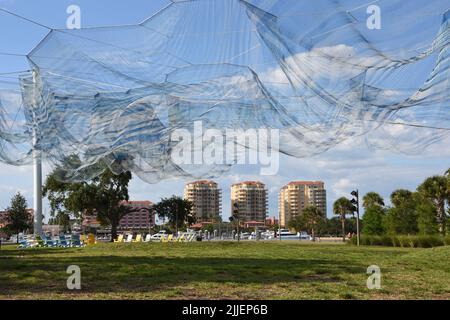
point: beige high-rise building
(296, 196)
(251, 197)
(207, 199)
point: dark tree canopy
(372, 199)
(312, 217)
(401, 197)
(427, 222)
(373, 220)
(343, 207)
(177, 210)
(103, 196)
(437, 190)
(401, 218)
(18, 219)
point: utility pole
(176, 218)
(37, 164)
(355, 201)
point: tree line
(17, 218)
(105, 197)
(424, 211)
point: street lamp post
(355, 201)
(176, 219)
(37, 167)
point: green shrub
(430, 241)
(387, 241)
(404, 241)
(414, 240)
(375, 241)
(396, 241)
(408, 241)
(438, 241)
(365, 240)
(353, 241)
(447, 240)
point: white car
(245, 235)
(305, 236)
(159, 235)
(268, 235)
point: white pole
(37, 170)
(37, 173)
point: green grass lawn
(270, 270)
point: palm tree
(401, 196)
(372, 199)
(436, 189)
(342, 207)
(312, 216)
(447, 174)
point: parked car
(245, 235)
(159, 235)
(268, 235)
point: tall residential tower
(251, 197)
(297, 195)
(206, 198)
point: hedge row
(403, 241)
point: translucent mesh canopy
(311, 69)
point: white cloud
(342, 186)
(316, 63)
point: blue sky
(350, 165)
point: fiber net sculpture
(314, 70)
